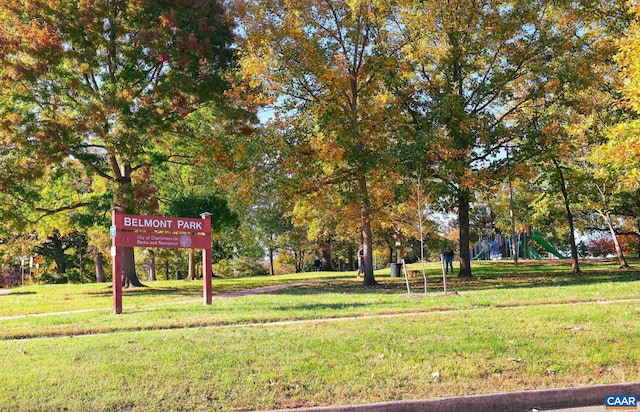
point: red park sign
(159, 232)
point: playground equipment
(547, 246)
(479, 255)
(500, 248)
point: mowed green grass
(330, 341)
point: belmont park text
(159, 223)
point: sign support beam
(207, 291)
(116, 267)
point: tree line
(310, 127)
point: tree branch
(48, 212)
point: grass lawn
(330, 341)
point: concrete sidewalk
(579, 399)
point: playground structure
(500, 247)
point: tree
(95, 220)
(601, 197)
(271, 226)
(56, 208)
(193, 206)
(559, 176)
(622, 151)
(617, 159)
(323, 69)
(512, 202)
(107, 83)
(579, 119)
(480, 68)
(56, 246)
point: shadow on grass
(542, 280)
(190, 290)
(487, 275)
(13, 293)
(496, 275)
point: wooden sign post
(159, 232)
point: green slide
(533, 254)
(479, 255)
(547, 246)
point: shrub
(53, 278)
(10, 277)
(601, 247)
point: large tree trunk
(272, 270)
(53, 247)
(58, 251)
(575, 266)
(124, 198)
(299, 256)
(129, 276)
(351, 264)
(367, 238)
(61, 266)
(327, 266)
(463, 224)
(367, 241)
(97, 258)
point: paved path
(578, 399)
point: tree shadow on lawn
(487, 275)
(14, 293)
(500, 279)
(188, 291)
(541, 280)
